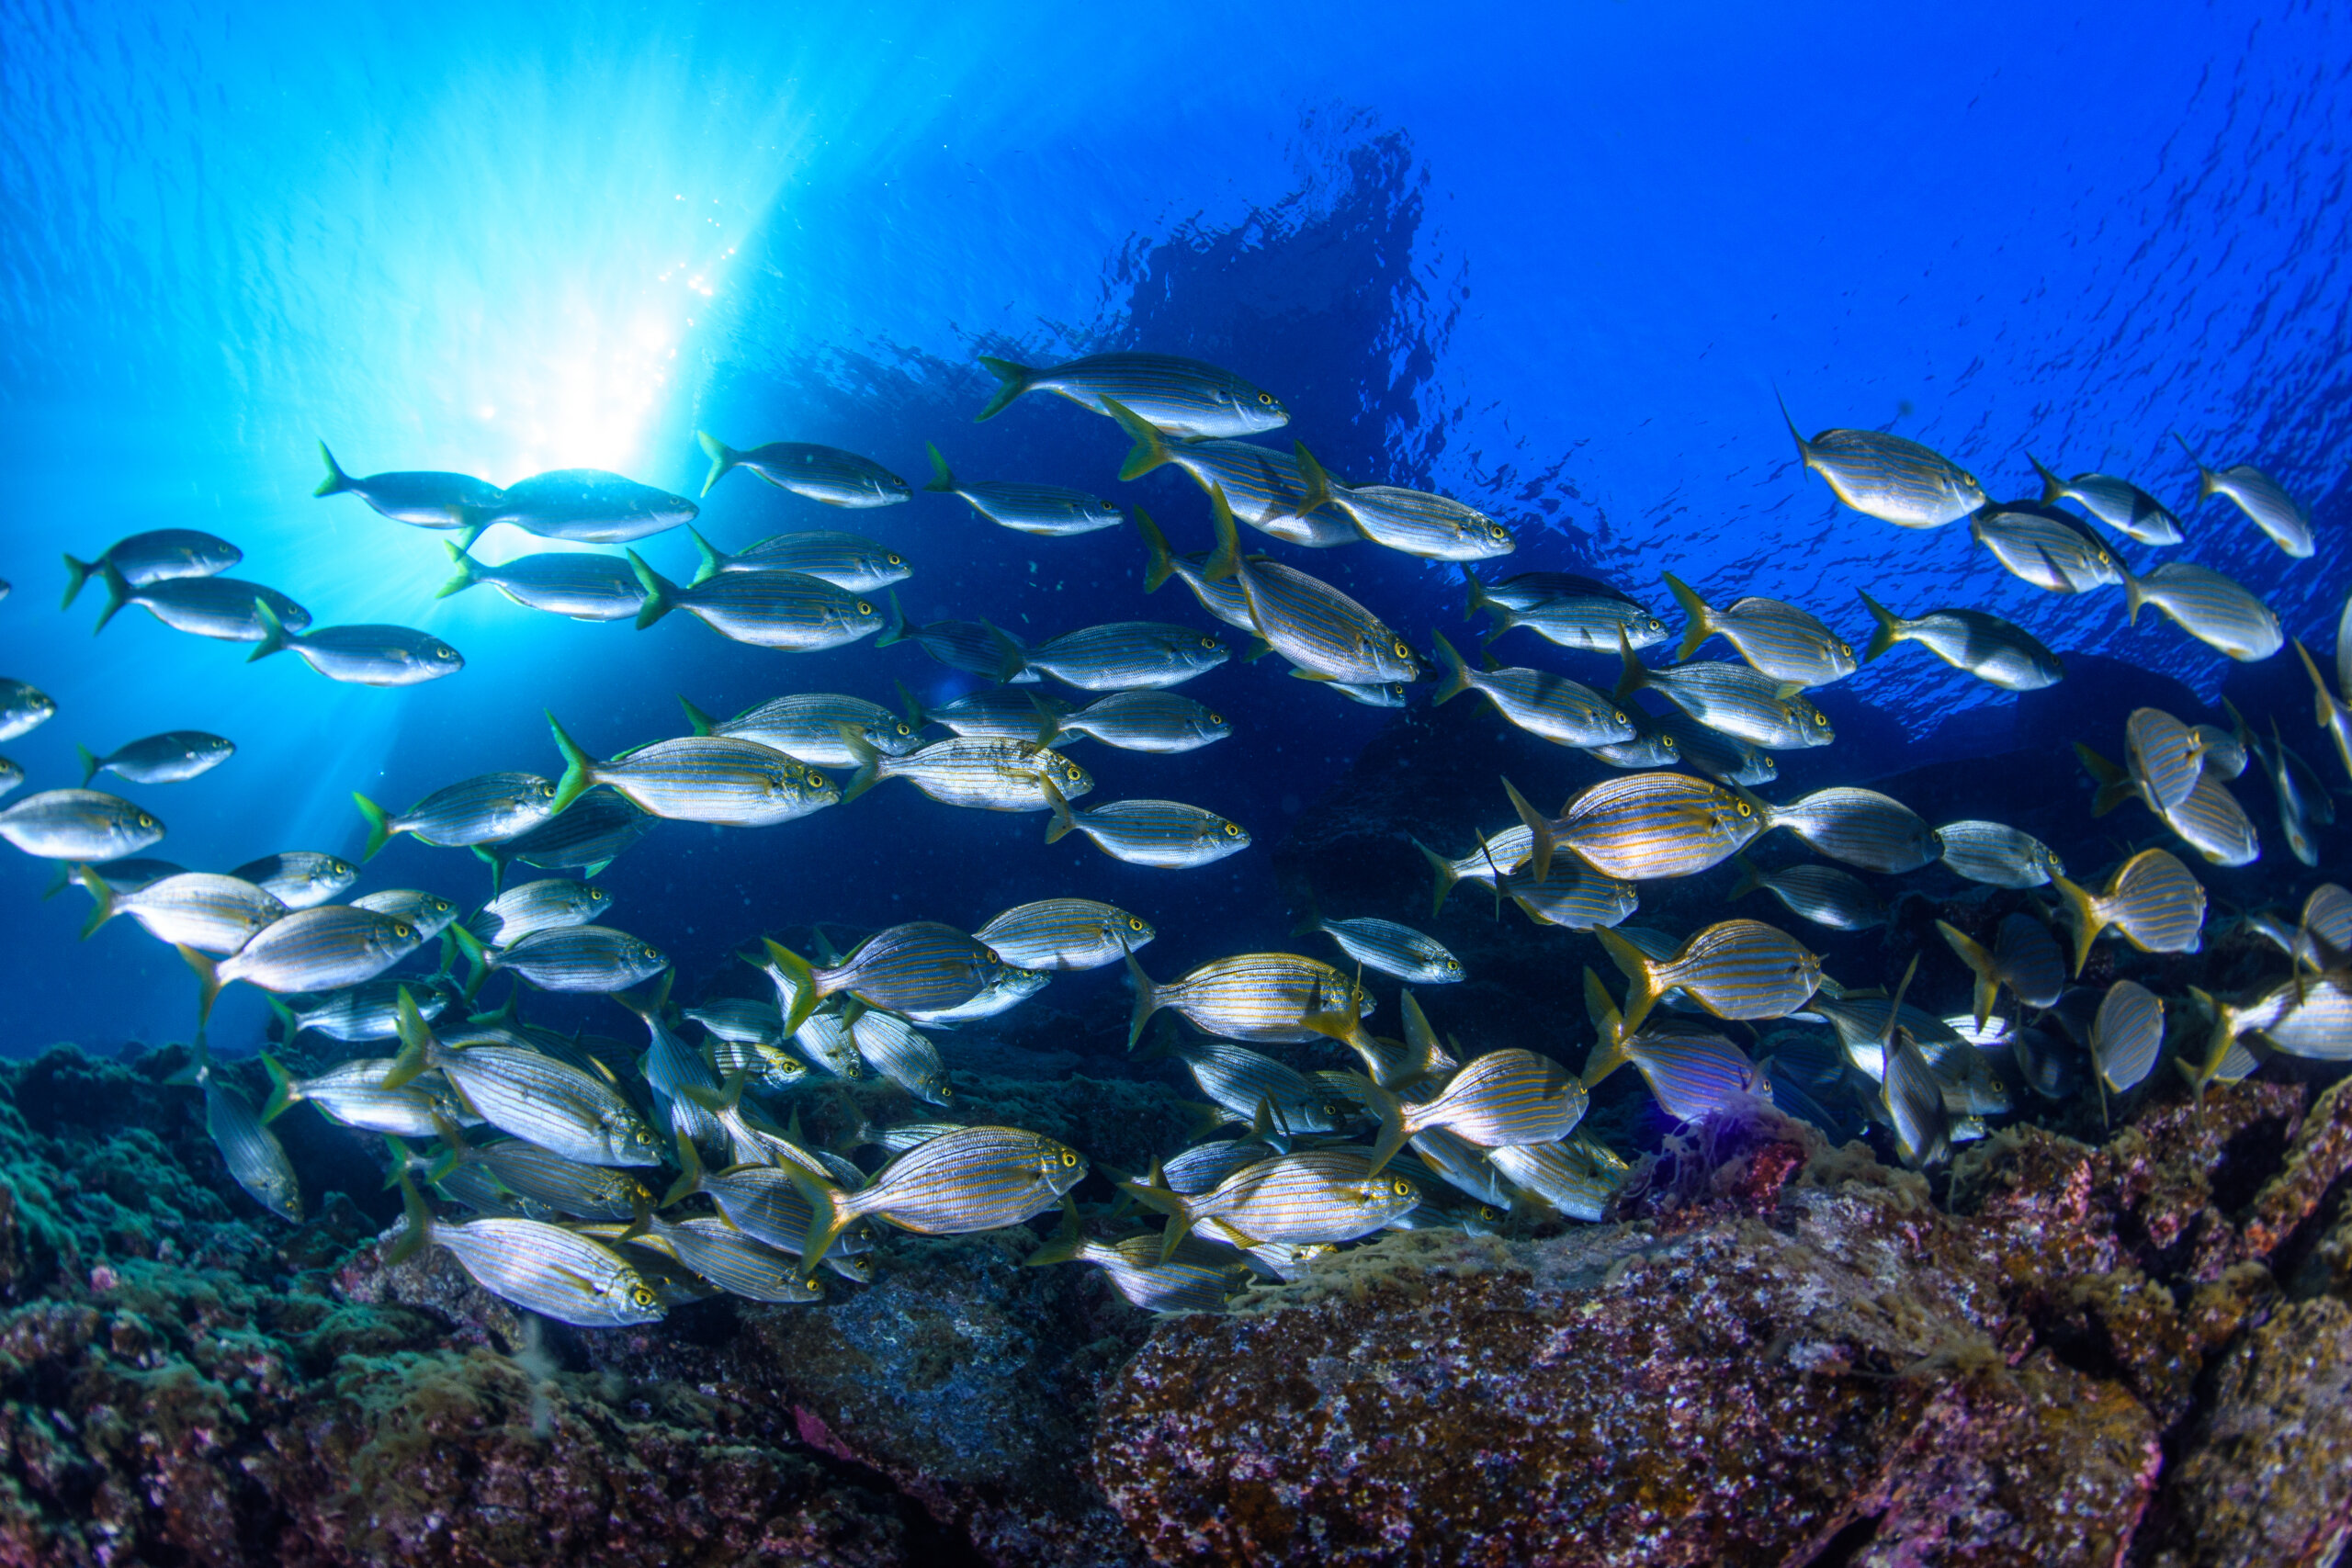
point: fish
(1051, 511)
(2333, 716)
(590, 506)
(1258, 997)
(2209, 607)
(1987, 646)
(1561, 1176)
(973, 645)
(1161, 723)
(1007, 991)
(1126, 655)
(1391, 949)
(824, 1039)
(1694, 1072)
(715, 1250)
(2263, 500)
(300, 879)
(483, 809)
(1780, 641)
(975, 1178)
(360, 655)
(2121, 504)
(153, 557)
(1200, 1167)
(1183, 397)
(369, 1010)
(78, 825)
(685, 1085)
(806, 726)
(848, 561)
(1494, 856)
(1552, 707)
(1394, 1064)
(762, 1201)
(1860, 1023)
(2151, 899)
(1653, 746)
(256, 1160)
(12, 777)
(1317, 628)
(1252, 1088)
(24, 708)
(2024, 960)
(1413, 522)
(538, 1267)
(543, 1176)
(740, 1019)
(352, 1094)
(786, 610)
(548, 903)
(1724, 758)
(2215, 825)
(582, 586)
(2294, 795)
(1734, 698)
(212, 914)
(2053, 550)
(1066, 934)
(2167, 756)
(172, 757)
(1271, 491)
(1914, 1101)
(1733, 969)
(904, 1055)
(921, 966)
(981, 776)
(1197, 1278)
(993, 713)
(1492, 1102)
(1821, 894)
(1570, 611)
(1644, 827)
(587, 835)
(1860, 828)
(1890, 477)
(1222, 598)
(1167, 834)
(700, 778)
(424, 499)
(2308, 1019)
(225, 608)
(126, 874)
(1575, 896)
(1999, 855)
(531, 1096)
(317, 949)
(2226, 751)
(429, 913)
(595, 959)
(1312, 1195)
(2126, 1034)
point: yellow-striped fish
(1737, 969)
(1167, 834)
(1693, 1072)
(2213, 609)
(2263, 500)
(1257, 997)
(1778, 641)
(974, 1178)
(1997, 854)
(1552, 707)
(1642, 827)
(984, 775)
(1859, 827)
(1312, 1195)
(1270, 491)
(1734, 698)
(1305, 619)
(2151, 899)
(1434, 528)
(1889, 477)
(2126, 1034)
(920, 966)
(1065, 934)
(2053, 550)
(1502, 1097)
(539, 1266)
(2121, 504)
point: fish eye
(401, 930)
(1453, 963)
(892, 557)
(1666, 741)
(1845, 650)
(1400, 1187)
(1402, 651)
(1618, 717)
(642, 1136)
(641, 1296)
(816, 781)
(1267, 399)
(1075, 772)
(1134, 924)
(145, 820)
(1744, 810)
(1657, 624)
(1208, 642)
(1231, 832)
(1215, 717)
(1496, 531)
(863, 608)
(1069, 1159)
(904, 731)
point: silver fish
(211, 914)
(1999, 855)
(422, 499)
(546, 905)
(975, 1178)
(369, 1010)
(582, 586)
(1306, 619)
(595, 959)
(996, 712)
(700, 778)
(1734, 698)
(1860, 828)
(429, 913)
(318, 949)
(589, 506)
(808, 726)
(1888, 477)
(826, 474)
(1552, 707)
(541, 1268)
(221, 607)
(973, 646)
(359, 655)
(904, 1055)
(1065, 934)
(479, 810)
(2286, 520)
(2126, 1034)
(1986, 646)
(250, 1151)
(532, 1096)
(984, 775)
(78, 824)
(1127, 655)
(1778, 641)
(2208, 606)
(1162, 723)
(1183, 397)
(2121, 504)
(1167, 834)
(1391, 949)
(850, 561)
(1414, 521)
(1049, 510)
(352, 1095)
(171, 757)
(1574, 612)
(300, 879)
(1821, 894)
(2053, 550)
(789, 610)
(1312, 1195)
(151, 557)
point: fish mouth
(1061, 1179)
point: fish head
(645, 955)
(1254, 409)
(629, 1291)
(893, 738)
(1210, 725)
(438, 655)
(1811, 722)
(672, 511)
(1061, 1166)
(594, 897)
(1069, 777)
(861, 615)
(627, 1133)
(1389, 1194)
(1641, 629)
(1488, 537)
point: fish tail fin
(803, 981)
(1012, 657)
(273, 632)
(2326, 703)
(1012, 381)
(1889, 632)
(910, 705)
(476, 958)
(2204, 474)
(660, 593)
(896, 630)
(690, 1174)
(1062, 1247)
(1442, 869)
(282, 1088)
(869, 768)
(102, 896)
(1319, 487)
(1226, 560)
(1155, 1195)
(1750, 879)
(336, 481)
(1804, 447)
(1980, 963)
(118, 593)
(710, 559)
(2114, 784)
(207, 982)
(1474, 592)
(2083, 915)
(1695, 611)
(2133, 594)
(1162, 562)
(722, 457)
(463, 575)
(89, 764)
(1064, 822)
(488, 854)
(1609, 1029)
(1539, 826)
(380, 826)
(289, 1026)
(1641, 977)
(1151, 448)
(942, 478)
(417, 1044)
(1636, 674)
(830, 1212)
(78, 573)
(1457, 673)
(699, 721)
(417, 1234)
(454, 1150)
(2053, 487)
(1394, 1129)
(1147, 1002)
(579, 769)
(58, 880)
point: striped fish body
(367, 654)
(2053, 550)
(1561, 1176)
(2263, 500)
(1987, 646)
(479, 810)
(988, 776)
(2126, 1034)
(1575, 896)
(2121, 504)
(1165, 834)
(851, 562)
(1007, 991)
(369, 1010)
(2029, 961)
(972, 646)
(825, 1041)
(741, 1019)
(585, 587)
(2152, 899)
(1734, 698)
(211, 914)
(2312, 1020)
(670, 1068)
(1860, 1023)
(429, 913)
(2165, 757)
(2225, 754)
(1052, 511)
(1242, 1082)
(920, 965)
(588, 832)
(903, 1054)
(550, 1270)
(550, 903)
(806, 726)
(1651, 826)
(593, 959)
(1419, 523)
(78, 825)
(824, 474)
(1735, 969)
(544, 1101)
(1504, 1098)
(2209, 607)
(300, 879)
(716, 779)
(421, 498)
(1693, 1072)
(1560, 607)
(2327, 924)
(172, 757)
(738, 1263)
(1204, 1166)
(1320, 629)
(1494, 857)
(250, 1151)
(975, 1178)
(1313, 1195)
(1224, 599)
(565, 1186)
(1821, 894)
(762, 1201)
(2215, 825)
(1161, 723)
(1890, 479)
(1552, 707)
(158, 554)
(1394, 950)
(1128, 655)
(1999, 855)
(320, 949)
(1726, 758)
(1778, 641)
(1181, 1285)
(1914, 1101)
(1065, 934)
(1461, 1164)
(1264, 488)
(1001, 713)
(762, 1063)
(2294, 797)
(1183, 397)
(589, 506)
(787, 610)
(352, 1094)
(217, 607)
(1259, 998)
(1860, 828)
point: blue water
(1555, 265)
